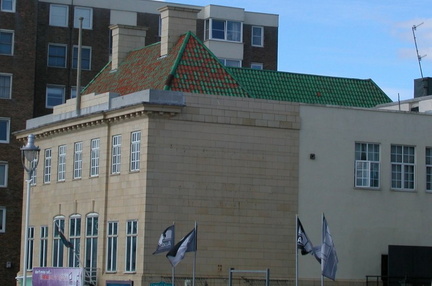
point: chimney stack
(125, 39)
(176, 21)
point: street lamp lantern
(30, 155)
(29, 160)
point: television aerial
(419, 58)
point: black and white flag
(166, 240)
(186, 244)
(303, 242)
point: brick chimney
(125, 39)
(176, 21)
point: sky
(364, 39)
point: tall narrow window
(34, 172)
(78, 148)
(367, 165)
(59, 15)
(257, 36)
(4, 129)
(116, 154)
(43, 249)
(131, 245)
(429, 169)
(85, 58)
(6, 42)
(111, 262)
(61, 166)
(75, 239)
(8, 5)
(30, 246)
(58, 247)
(47, 166)
(135, 151)
(2, 219)
(94, 157)
(3, 174)
(403, 167)
(91, 245)
(5, 86)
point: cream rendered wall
(363, 222)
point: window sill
(404, 190)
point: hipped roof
(192, 67)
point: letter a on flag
(303, 242)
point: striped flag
(186, 244)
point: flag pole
(173, 268)
(296, 249)
(322, 254)
(194, 262)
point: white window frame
(131, 246)
(257, 66)
(7, 122)
(401, 167)
(7, 91)
(4, 174)
(367, 165)
(75, 240)
(47, 165)
(43, 249)
(33, 176)
(94, 157)
(78, 162)
(91, 243)
(9, 10)
(88, 19)
(112, 246)
(2, 219)
(261, 37)
(61, 164)
(61, 19)
(231, 62)
(116, 154)
(60, 88)
(49, 55)
(12, 44)
(227, 35)
(58, 247)
(30, 247)
(75, 57)
(135, 151)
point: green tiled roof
(306, 88)
(191, 67)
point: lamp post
(29, 160)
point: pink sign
(57, 276)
